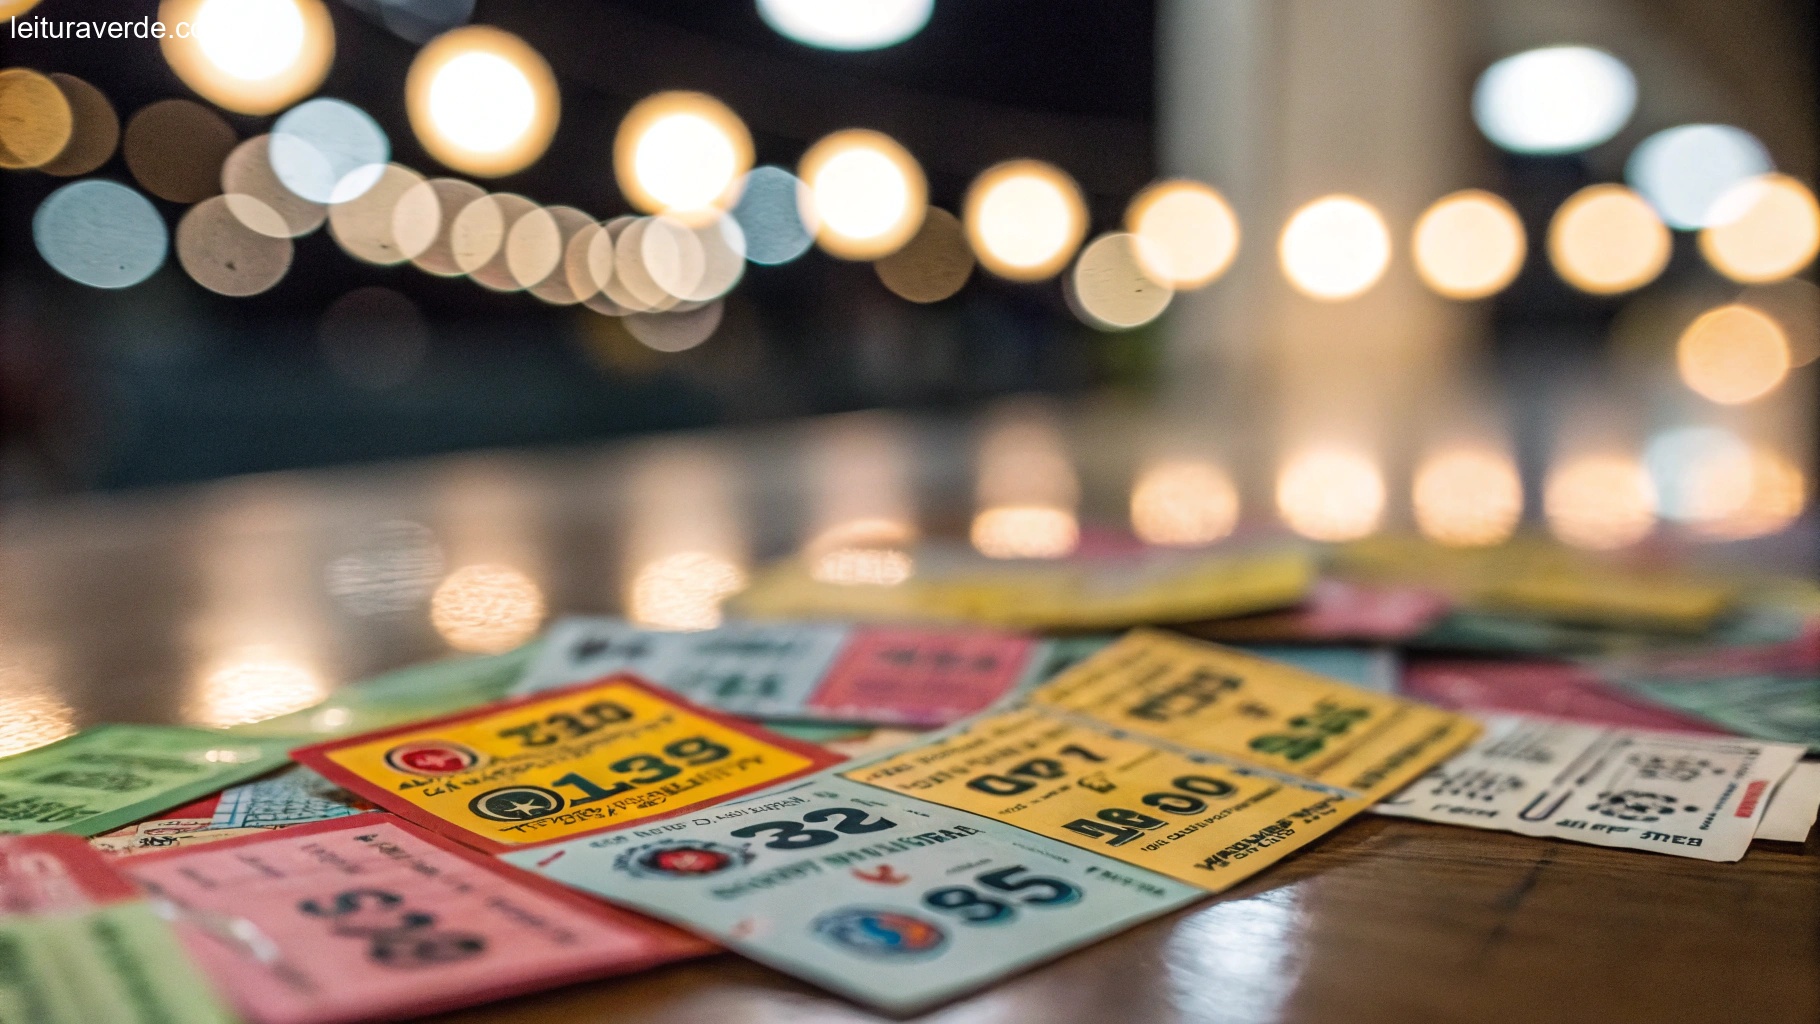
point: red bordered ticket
(369, 917)
(561, 763)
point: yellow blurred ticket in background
(1195, 819)
(1210, 699)
(560, 764)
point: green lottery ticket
(111, 775)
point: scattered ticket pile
(901, 792)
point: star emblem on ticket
(561, 763)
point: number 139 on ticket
(561, 764)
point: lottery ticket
(110, 775)
(295, 796)
(79, 945)
(1552, 689)
(890, 900)
(561, 763)
(1772, 705)
(369, 917)
(406, 695)
(915, 676)
(1794, 806)
(1693, 796)
(1079, 593)
(1338, 611)
(1257, 713)
(1204, 821)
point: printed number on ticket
(561, 764)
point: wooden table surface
(196, 604)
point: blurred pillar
(1276, 103)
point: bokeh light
(366, 226)
(773, 211)
(1605, 239)
(1111, 288)
(1775, 498)
(1467, 497)
(486, 609)
(222, 254)
(1334, 248)
(867, 193)
(1599, 501)
(1189, 231)
(1794, 303)
(682, 153)
(1183, 503)
(482, 101)
(1732, 355)
(1025, 218)
(252, 685)
(100, 233)
(1685, 171)
(1331, 494)
(249, 56)
(374, 338)
(1700, 474)
(632, 285)
(1558, 99)
(535, 246)
(1764, 229)
(478, 238)
(674, 331)
(447, 197)
(260, 200)
(871, 551)
(1025, 531)
(419, 21)
(94, 128)
(1469, 245)
(933, 265)
(176, 149)
(683, 591)
(328, 151)
(36, 121)
(846, 25)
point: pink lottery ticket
(920, 676)
(1549, 688)
(370, 917)
(53, 873)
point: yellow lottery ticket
(1195, 819)
(560, 764)
(1214, 700)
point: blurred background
(1336, 266)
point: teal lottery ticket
(889, 900)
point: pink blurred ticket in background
(54, 873)
(370, 917)
(1553, 689)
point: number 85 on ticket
(560, 764)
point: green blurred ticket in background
(112, 775)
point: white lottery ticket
(887, 899)
(1794, 806)
(1693, 796)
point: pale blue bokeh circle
(100, 233)
(328, 151)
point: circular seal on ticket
(884, 934)
(516, 803)
(431, 757)
(681, 858)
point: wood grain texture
(121, 608)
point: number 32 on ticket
(561, 764)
